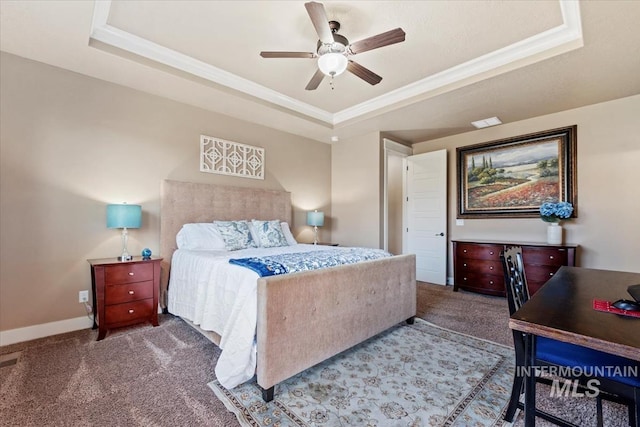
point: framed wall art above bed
(512, 177)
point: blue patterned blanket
(291, 263)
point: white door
(426, 215)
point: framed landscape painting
(512, 177)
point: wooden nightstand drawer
(117, 294)
(128, 273)
(121, 314)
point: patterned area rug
(411, 375)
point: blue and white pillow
(269, 233)
(236, 234)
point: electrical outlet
(83, 296)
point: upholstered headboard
(187, 202)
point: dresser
(477, 266)
(124, 292)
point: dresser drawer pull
(131, 273)
(550, 274)
(491, 282)
(464, 265)
(464, 250)
(491, 253)
(131, 292)
(491, 268)
(464, 278)
(131, 311)
(550, 256)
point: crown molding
(561, 39)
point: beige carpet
(145, 376)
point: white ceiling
(461, 61)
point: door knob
(440, 234)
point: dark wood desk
(563, 310)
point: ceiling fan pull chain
(331, 83)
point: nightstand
(124, 292)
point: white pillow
(200, 237)
(287, 234)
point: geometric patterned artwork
(231, 158)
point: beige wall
(71, 144)
(355, 191)
(607, 229)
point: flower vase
(554, 233)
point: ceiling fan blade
(287, 54)
(315, 80)
(320, 22)
(374, 42)
(364, 73)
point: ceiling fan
(333, 49)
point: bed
(302, 318)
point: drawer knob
(491, 282)
(131, 311)
(131, 292)
(464, 250)
(490, 252)
(464, 278)
(491, 268)
(550, 274)
(131, 273)
(464, 265)
(550, 256)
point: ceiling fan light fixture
(332, 63)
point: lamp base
(125, 258)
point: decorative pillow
(287, 234)
(236, 234)
(200, 237)
(269, 233)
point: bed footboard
(305, 318)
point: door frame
(392, 148)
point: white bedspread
(205, 289)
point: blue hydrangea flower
(554, 212)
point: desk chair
(551, 352)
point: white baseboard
(28, 333)
(449, 280)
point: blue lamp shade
(315, 218)
(124, 216)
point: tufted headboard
(187, 202)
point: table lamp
(124, 216)
(315, 219)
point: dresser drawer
(479, 266)
(540, 273)
(489, 284)
(128, 273)
(117, 294)
(544, 256)
(478, 251)
(120, 314)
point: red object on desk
(602, 305)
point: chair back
(515, 280)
